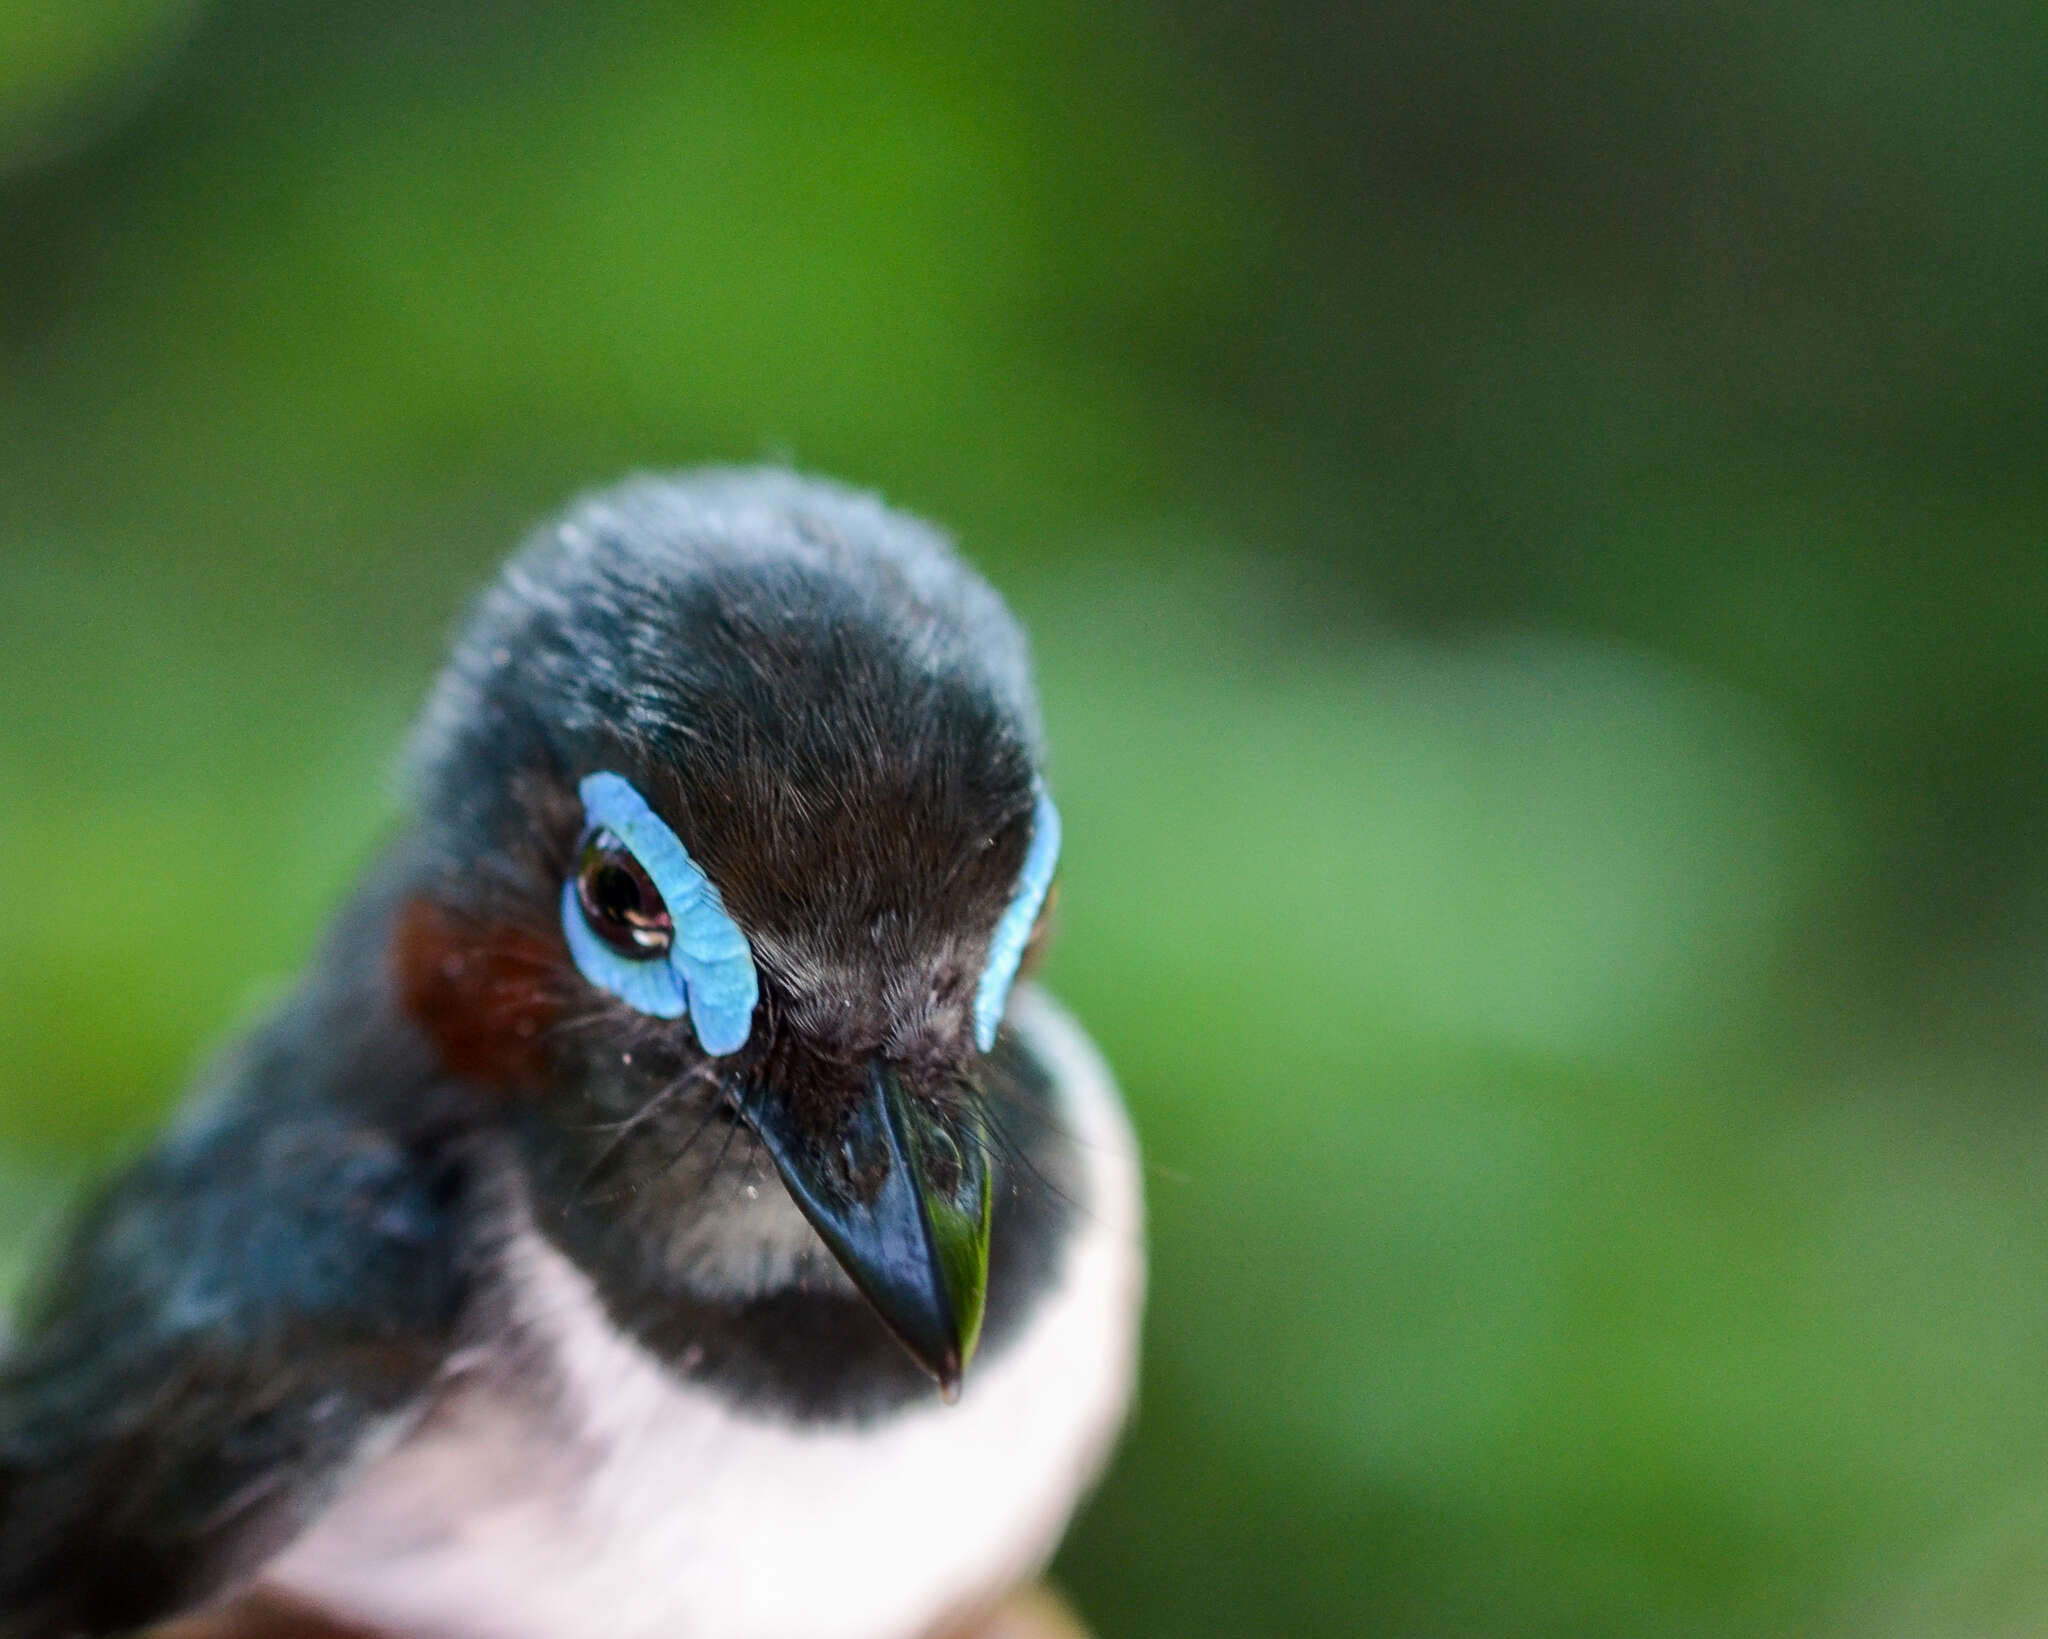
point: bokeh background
(1535, 519)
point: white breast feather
(670, 1516)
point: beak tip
(950, 1369)
(945, 1363)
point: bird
(668, 1203)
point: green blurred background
(1535, 520)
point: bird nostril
(943, 1161)
(867, 1168)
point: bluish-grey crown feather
(619, 562)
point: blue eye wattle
(645, 923)
(1013, 932)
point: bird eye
(643, 922)
(619, 900)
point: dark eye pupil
(622, 906)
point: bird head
(735, 839)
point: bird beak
(901, 1195)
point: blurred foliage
(1533, 516)
(64, 65)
